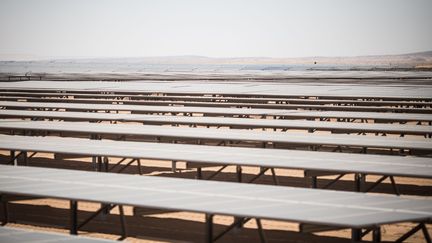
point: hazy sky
(217, 28)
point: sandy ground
(149, 225)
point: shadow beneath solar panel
(149, 227)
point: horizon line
(32, 57)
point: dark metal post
(12, 157)
(356, 235)
(122, 222)
(199, 173)
(376, 235)
(25, 158)
(239, 173)
(5, 209)
(99, 162)
(261, 231)
(139, 166)
(357, 182)
(209, 228)
(94, 163)
(314, 182)
(174, 166)
(73, 217)
(106, 164)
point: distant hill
(410, 59)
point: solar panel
(225, 111)
(8, 234)
(290, 159)
(227, 104)
(224, 121)
(258, 89)
(323, 207)
(221, 134)
(186, 97)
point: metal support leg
(261, 231)
(73, 217)
(25, 158)
(356, 235)
(5, 210)
(174, 166)
(314, 182)
(199, 173)
(123, 223)
(395, 188)
(239, 173)
(94, 158)
(99, 163)
(106, 164)
(426, 234)
(139, 166)
(106, 209)
(275, 179)
(357, 182)
(14, 159)
(209, 228)
(376, 235)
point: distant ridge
(404, 60)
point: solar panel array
(400, 112)
(288, 159)
(222, 135)
(413, 109)
(325, 207)
(222, 121)
(286, 114)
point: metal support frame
(74, 226)
(358, 234)
(217, 172)
(333, 181)
(14, 157)
(107, 169)
(420, 226)
(238, 222)
(380, 180)
(262, 171)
